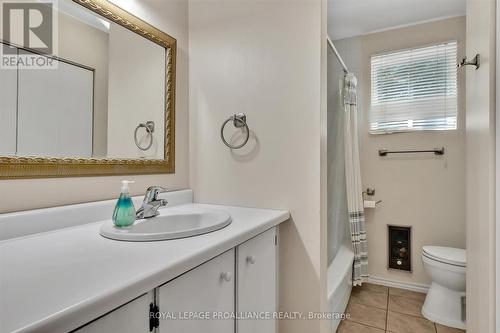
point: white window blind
(414, 89)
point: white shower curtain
(353, 182)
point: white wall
(263, 58)
(91, 50)
(136, 94)
(8, 117)
(480, 166)
(54, 111)
(170, 16)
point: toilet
(445, 301)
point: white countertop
(59, 280)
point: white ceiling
(349, 18)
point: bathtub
(339, 283)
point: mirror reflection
(99, 94)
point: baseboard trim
(418, 287)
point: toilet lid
(447, 255)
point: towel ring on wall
(239, 121)
(150, 129)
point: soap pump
(124, 213)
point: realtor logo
(28, 33)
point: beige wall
(422, 191)
(263, 58)
(480, 166)
(170, 16)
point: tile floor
(379, 309)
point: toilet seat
(445, 255)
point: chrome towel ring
(239, 121)
(150, 129)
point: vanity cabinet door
(257, 282)
(205, 290)
(132, 317)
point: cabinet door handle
(226, 276)
(251, 260)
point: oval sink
(171, 223)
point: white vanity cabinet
(206, 290)
(224, 290)
(132, 317)
(256, 283)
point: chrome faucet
(151, 203)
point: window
(414, 89)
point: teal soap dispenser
(124, 213)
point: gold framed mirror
(27, 165)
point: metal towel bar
(436, 151)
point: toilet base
(444, 306)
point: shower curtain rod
(337, 54)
